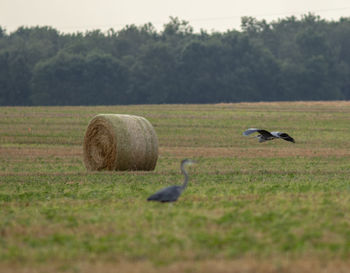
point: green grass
(269, 202)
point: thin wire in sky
(265, 14)
(206, 19)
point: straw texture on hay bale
(120, 142)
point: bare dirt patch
(251, 152)
(180, 152)
(61, 151)
(243, 265)
(309, 106)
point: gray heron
(266, 135)
(172, 193)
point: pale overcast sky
(218, 15)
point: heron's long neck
(184, 185)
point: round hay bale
(120, 142)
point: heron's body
(168, 194)
(172, 193)
(266, 135)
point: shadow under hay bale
(120, 142)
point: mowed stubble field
(249, 206)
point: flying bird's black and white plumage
(266, 135)
(172, 193)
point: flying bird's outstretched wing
(283, 136)
(264, 133)
(250, 131)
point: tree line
(287, 59)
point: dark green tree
(78, 80)
(15, 75)
(286, 59)
(154, 76)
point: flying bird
(266, 135)
(172, 193)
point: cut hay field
(249, 206)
